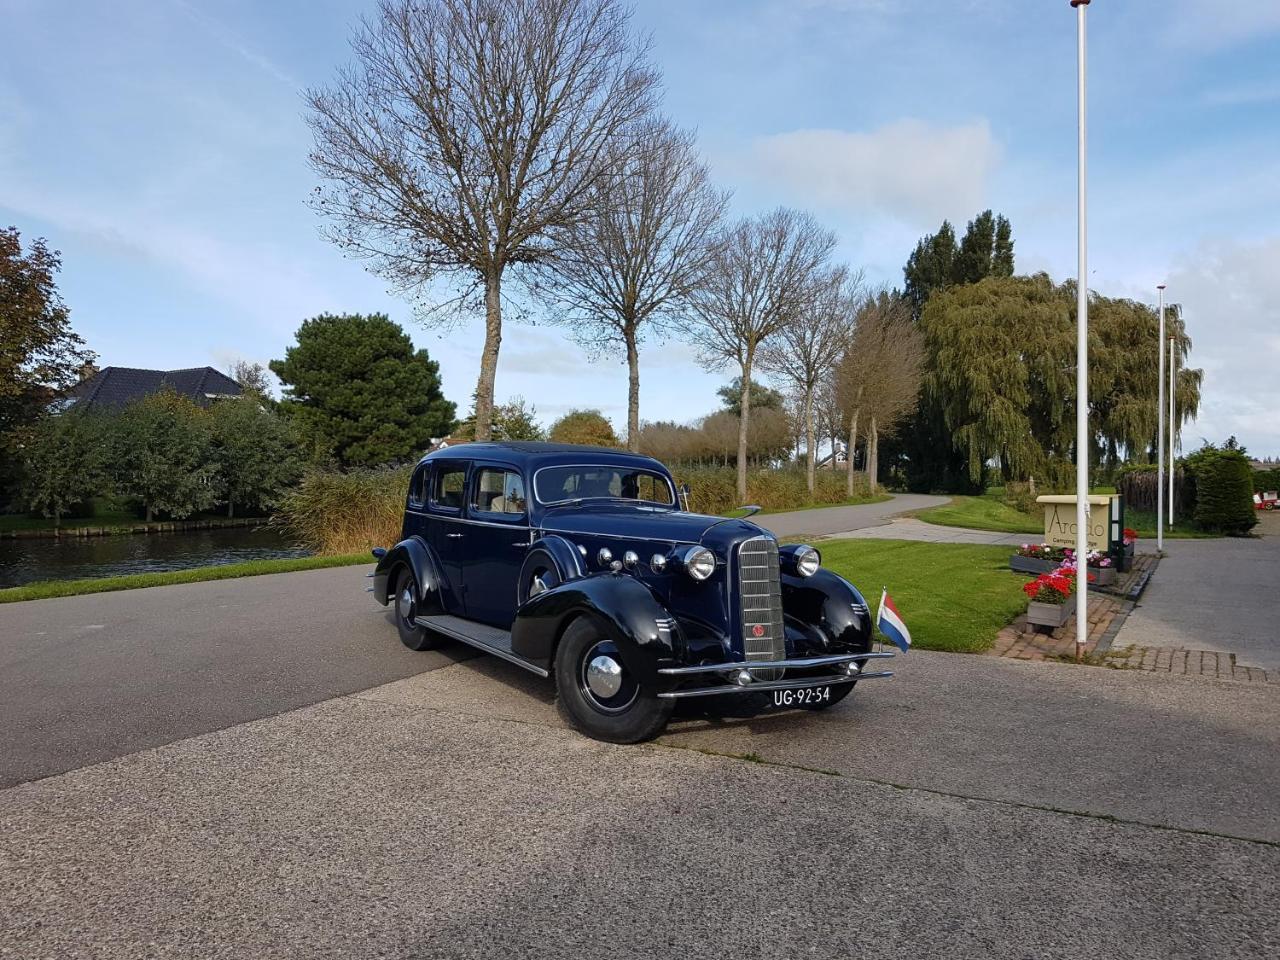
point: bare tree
(633, 261)
(758, 281)
(807, 348)
(879, 376)
(466, 134)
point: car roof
(531, 454)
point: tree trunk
(873, 453)
(633, 389)
(810, 439)
(848, 454)
(743, 423)
(489, 355)
(149, 513)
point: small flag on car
(891, 624)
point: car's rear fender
(414, 554)
(625, 609)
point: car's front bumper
(740, 677)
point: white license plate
(805, 697)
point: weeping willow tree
(1124, 376)
(1001, 365)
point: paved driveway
(832, 521)
(1221, 595)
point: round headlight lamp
(698, 562)
(808, 560)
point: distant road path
(832, 521)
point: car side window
(418, 487)
(447, 491)
(499, 491)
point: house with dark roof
(113, 387)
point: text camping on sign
(1060, 521)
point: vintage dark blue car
(579, 563)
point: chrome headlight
(698, 562)
(808, 560)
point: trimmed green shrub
(1266, 480)
(1224, 491)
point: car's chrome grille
(761, 603)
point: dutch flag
(891, 624)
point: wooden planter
(1032, 564)
(1103, 576)
(1050, 615)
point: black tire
(837, 694)
(630, 715)
(404, 607)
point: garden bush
(715, 489)
(1266, 480)
(335, 512)
(1224, 491)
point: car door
(447, 533)
(497, 541)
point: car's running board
(481, 636)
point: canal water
(70, 558)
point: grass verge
(991, 513)
(47, 589)
(953, 596)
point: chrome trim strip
(477, 523)
(729, 688)
(675, 500)
(798, 664)
(481, 645)
(634, 538)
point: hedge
(1224, 491)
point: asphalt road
(85, 679)
(1221, 595)
(832, 521)
(414, 806)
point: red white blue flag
(891, 623)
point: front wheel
(596, 693)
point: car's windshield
(593, 481)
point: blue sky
(160, 146)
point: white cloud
(907, 170)
(1229, 292)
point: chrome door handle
(455, 536)
(520, 543)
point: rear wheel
(406, 611)
(598, 695)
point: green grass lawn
(228, 571)
(954, 597)
(989, 512)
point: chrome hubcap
(406, 606)
(604, 676)
(607, 687)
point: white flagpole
(1173, 383)
(1082, 350)
(1160, 433)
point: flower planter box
(1051, 615)
(1103, 576)
(1032, 564)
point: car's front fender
(623, 607)
(416, 555)
(829, 608)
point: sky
(161, 147)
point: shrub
(1266, 480)
(1138, 484)
(714, 489)
(1224, 491)
(335, 512)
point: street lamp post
(1082, 349)
(1160, 433)
(1173, 383)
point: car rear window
(555, 484)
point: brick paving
(1107, 612)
